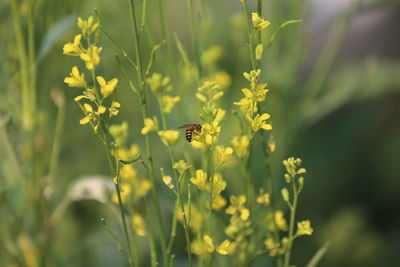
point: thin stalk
(211, 177)
(31, 57)
(23, 62)
(194, 39)
(291, 225)
(249, 33)
(139, 72)
(179, 193)
(55, 151)
(121, 208)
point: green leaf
(318, 255)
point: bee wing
(184, 126)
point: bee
(190, 129)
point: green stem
(117, 188)
(291, 225)
(211, 177)
(139, 72)
(194, 40)
(249, 33)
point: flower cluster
(94, 94)
(252, 97)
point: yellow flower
(88, 94)
(107, 88)
(304, 228)
(167, 180)
(247, 105)
(150, 125)
(260, 92)
(280, 220)
(222, 249)
(138, 225)
(157, 82)
(237, 207)
(241, 145)
(142, 187)
(200, 180)
(126, 154)
(73, 49)
(211, 132)
(125, 191)
(218, 184)
(91, 56)
(168, 102)
(222, 154)
(114, 109)
(218, 202)
(210, 56)
(198, 145)
(264, 199)
(169, 137)
(209, 91)
(259, 122)
(87, 26)
(272, 247)
(119, 132)
(128, 173)
(75, 79)
(92, 115)
(181, 166)
(222, 78)
(196, 217)
(259, 23)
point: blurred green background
(334, 85)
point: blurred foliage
(337, 113)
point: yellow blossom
(247, 105)
(259, 23)
(196, 217)
(169, 137)
(181, 166)
(126, 154)
(237, 207)
(259, 122)
(125, 191)
(218, 202)
(168, 103)
(209, 91)
(223, 248)
(150, 125)
(167, 180)
(304, 228)
(128, 173)
(73, 49)
(241, 145)
(211, 132)
(260, 92)
(142, 187)
(91, 56)
(119, 132)
(87, 26)
(114, 109)
(222, 154)
(211, 55)
(272, 247)
(264, 199)
(138, 225)
(221, 78)
(218, 184)
(107, 88)
(92, 115)
(88, 94)
(198, 145)
(75, 79)
(200, 180)
(280, 221)
(157, 82)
